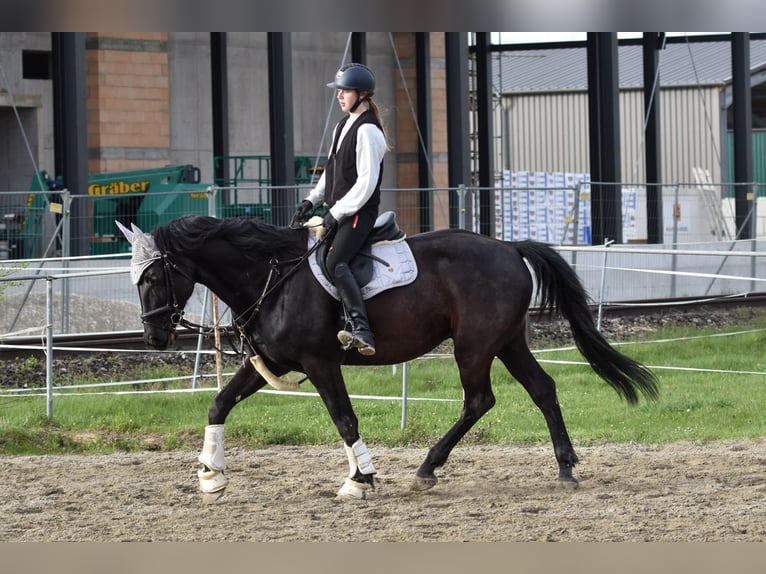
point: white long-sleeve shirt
(370, 149)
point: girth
(385, 229)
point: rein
(177, 312)
(256, 359)
(268, 288)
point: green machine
(147, 197)
(150, 197)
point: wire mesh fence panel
(93, 292)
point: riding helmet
(354, 77)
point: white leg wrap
(212, 449)
(212, 479)
(359, 457)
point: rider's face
(347, 99)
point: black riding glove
(329, 222)
(301, 213)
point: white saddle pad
(401, 269)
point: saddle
(384, 230)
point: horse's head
(163, 288)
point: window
(36, 65)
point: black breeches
(349, 237)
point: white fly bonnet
(145, 250)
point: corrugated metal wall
(549, 132)
(759, 159)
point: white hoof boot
(352, 490)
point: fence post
(66, 235)
(405, 381)
(753, 265)
(607, 243)
(461, 193)
(211, 191)
(576, 221)
(675, 242)
(49, 347)
(200, 336)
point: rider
(350, 187)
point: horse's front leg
(330, 385)
(212, 480)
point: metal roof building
(543, 112)
(682, 64)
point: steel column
(486, 135)
(71, 123)
(654, 218)
(743, 134)
(424, 117)
(281, 126)
(359, 47)
(220, 97)
(456, 52)
(603, 105)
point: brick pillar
(407, 141)
(128, 101)
(439, 131)
(406, 146)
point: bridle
(176, 310)
(171, 304)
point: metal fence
(45, 292)
(93, 294)
(100, 307)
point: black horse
(471, 288)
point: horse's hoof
(212, 481)
(212, 497)
(422, 483)
(569, 483)
(352, 490)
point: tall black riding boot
(360, 337)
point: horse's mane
(255, 236)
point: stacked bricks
(407, 140)
(128, 101)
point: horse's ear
(126, 232)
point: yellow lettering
(118, 187)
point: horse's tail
(560, 290)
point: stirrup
(346, 339)
(349, 341)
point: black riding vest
(340, 170)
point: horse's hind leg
(524, 367)
(477, 400)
